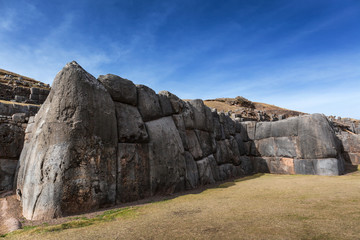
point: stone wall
(351, 147)
(298, 145)
(12, 131)
(103, 141)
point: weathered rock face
(102, 142)
(68, 164)
(301, 145)
(351, 147)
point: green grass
(78, 222)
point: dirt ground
(264, 206)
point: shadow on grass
(126, 210)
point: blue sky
(302, 55)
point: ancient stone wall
(298, 145)
(106, 141)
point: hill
(247, 110)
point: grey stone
(179, 122)
(251, 129)
(133, 178)
(207, 142)
(130, 125)
(285, 128)
(263, 130)
(194, 145)
(266, 147)
(222, 153)
(246, 165)
(325, 166)
(217, 126)
(167, 164)
(198, 108)
(192, 173)
(19, 117)
(304, 166)
(69, 164)
(148, 103)
(176, 103)
(165, 104)
(11, 140)
(209, 121)
(214, 168)
(7, 172)
(316, 138)
(228, 171)
(35, 91)
(205, 172)
(120, 89)
(285, 147)
(261, 165)
(188, 115)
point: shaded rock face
(95, 143)
(351, 147)
(68, 164)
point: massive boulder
(68, 165)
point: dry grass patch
(258, 207)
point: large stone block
(148, 103)
(228, 171)
(188, 115)
(176, 103)
(179, 122)
(194, 145)
(205, 171)
(133, 173)
(192, 173)
(266, 147)
(326, 166)
(285, 128)
(167, 166)
(198, 108)
(285, 147)
(7, 173)
(246, 165)
(120, 89)
(69, 164)
(316, 138)
(130, 126)
(263, 130)
(11, 140)
(279, 165)
(165, 104)
(207, 142)
(261, 165)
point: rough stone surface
(192, 173)
(205, 171)
(316, 138)
(176, 103)
(133, 171)
(68, 165)
(7, 172)
(11, 140)
(167, 164)
(148, 103)
(194, 145)
(326, 166)
(130, 126)
(120, 89)
(165, 104)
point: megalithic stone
(68, 165)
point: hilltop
(245, 109)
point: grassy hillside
(263, 206)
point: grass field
(257, 207)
